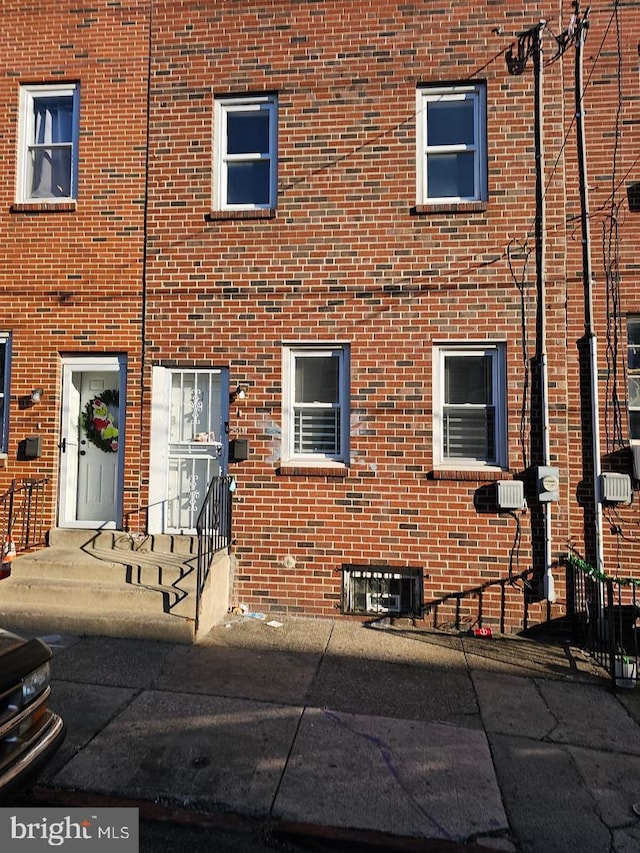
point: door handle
(63, 445)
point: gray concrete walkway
(515, 743)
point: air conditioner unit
(615, 488)
(510, 494)
(382, 602)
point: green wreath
(98, 422)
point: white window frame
(429, 94)
(633, 376)
(222, 108)
(5, 343)
(289, 354)
(26, 131)
(497, 351)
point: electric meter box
(547, 483)
(510, 494)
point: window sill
(43, 207)
(306, 469)
(223, 215)
(4, 459)
(449, 207)
(467, 475)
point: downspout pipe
(541, 338)
(588, 297)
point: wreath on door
(98, 422)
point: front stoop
(114, 584)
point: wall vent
(510, 494)
(615, 488)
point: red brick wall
(71, 281)
(612, 92)
(347, 258)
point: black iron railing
(21, 515)
(214, 530)
(606, 619)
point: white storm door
(188, 444)
(91, 445)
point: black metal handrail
(606, 619)
(213, 528)
(21, 514)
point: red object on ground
(482, 632)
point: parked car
(30, 733)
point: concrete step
(108, 540)
(155, 568)
(87, 595)
(110, 583)
(53, 620)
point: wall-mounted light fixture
(239, 394)
(36, 395)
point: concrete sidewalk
(515, 743)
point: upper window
(633, 376)
(316, 413)
(245, 168)
(5, 361)
(48, 152)
(469, 406)
(451, 144)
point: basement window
(382, 590)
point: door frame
(159, 457)
(69, 414)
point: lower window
(382, 590)
(315, 401)
(469, 405)
(633, 377)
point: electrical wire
(520, 283)
(514, 555)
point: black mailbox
(33, 447)
(238, 450)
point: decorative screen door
(197, 443)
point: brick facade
(143, 265)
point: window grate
(382, 590)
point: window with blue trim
(48, 154)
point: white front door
(91, 443)
(188, 444)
